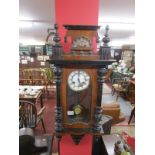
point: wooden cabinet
(131, 93)
(128, 56)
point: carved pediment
(81, 42)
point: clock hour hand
(81, 82)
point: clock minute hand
(79, 81)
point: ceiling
(119, 15)
(36, 16)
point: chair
(38, 77)
(28, 115)
(120, 86)
(132, 115)
(108, 75)
(43, 77)
(24, 77)
(50, 78)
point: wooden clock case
(92, 64)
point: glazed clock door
(77, 97)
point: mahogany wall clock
(79, 80)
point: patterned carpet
(130, 130)
(121, 127)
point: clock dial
(78, 80)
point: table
(109, 142)
(31, 93)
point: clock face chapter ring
(78, 80)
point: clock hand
(79, 80)
(80, 84)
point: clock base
(77, 138)
(78, 133)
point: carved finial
(56, 38)
(106, 38)
(106, 30)
(50, 33)
(57, 48)
(97, 38)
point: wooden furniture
(132, 115)
(79, 79)
(128, 55)
(25, 77)
(82, 36)
(117, 54)
(38, 76)
(28, 115)
(29, 144)
(131, 92)
(108, 75)
(31, 93)
(113, 110)
(36, 62)
(131, 98)
(120, 87)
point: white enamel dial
(78, 80)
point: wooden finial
(106, 38)
(56, 37)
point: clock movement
(79, 80)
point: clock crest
(81, 43)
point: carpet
(129, 140)
(106, 89)
(119, 129)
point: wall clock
(79, 80)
